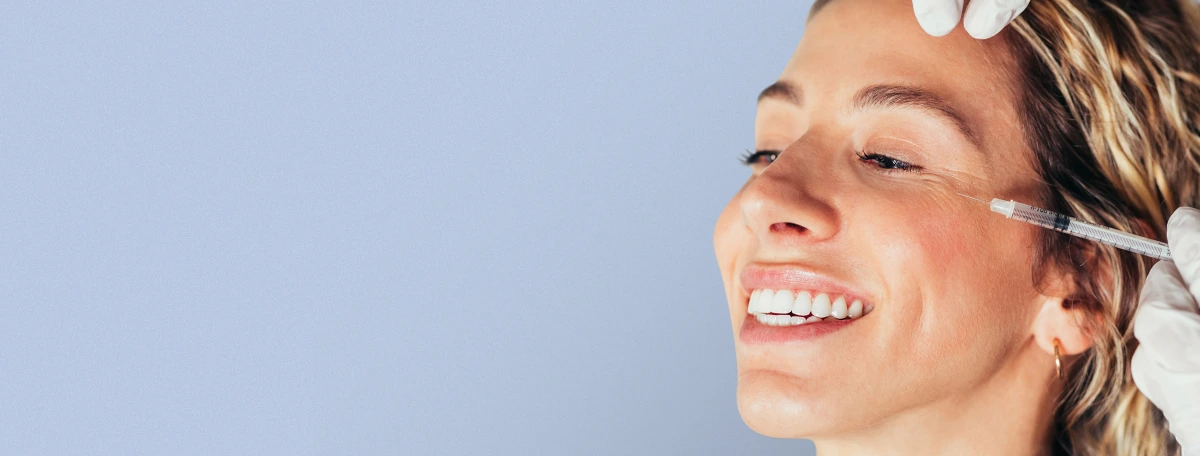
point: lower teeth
(787, 319)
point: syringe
(1075, 227)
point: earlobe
(1054, 321)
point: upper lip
(756, 276)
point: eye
(761, 157)
(887, 163)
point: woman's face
(879, 127)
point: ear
(1055, 321)
(1073, 323)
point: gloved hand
(1166, 365)
(984, 18)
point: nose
(787, 205)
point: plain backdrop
(374, 228)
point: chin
(780, 406)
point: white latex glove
(984, 18)
(1166, 365)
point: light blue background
(374, 228)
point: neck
(1011, 413)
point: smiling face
(875, 127)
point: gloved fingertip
(1139, 368)
(1183, 217)
(1183, 235)
(982, 28)
(1146, 374)
(1164, 275)
(984, 19)
(938, 22)
(937, 17)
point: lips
(755, 333)
(784, 277)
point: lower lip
(755, 333)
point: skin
(957, 357)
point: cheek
(729, 237)
(917, 246)
(933, 251)
(963, 298)
(945, 270)
(945, 243)
(723, 235)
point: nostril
(787, 227)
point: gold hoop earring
(1058, 359)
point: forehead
(851, 44)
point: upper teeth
(787, 307)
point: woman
(877, 311)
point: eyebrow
(885, 96)
(784, 91)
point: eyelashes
(883, 162)
(887, 163)
(765, 157)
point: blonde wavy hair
(1112, 114)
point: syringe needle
(974, 198)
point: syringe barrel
(1075, 227)
(1109, 236)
